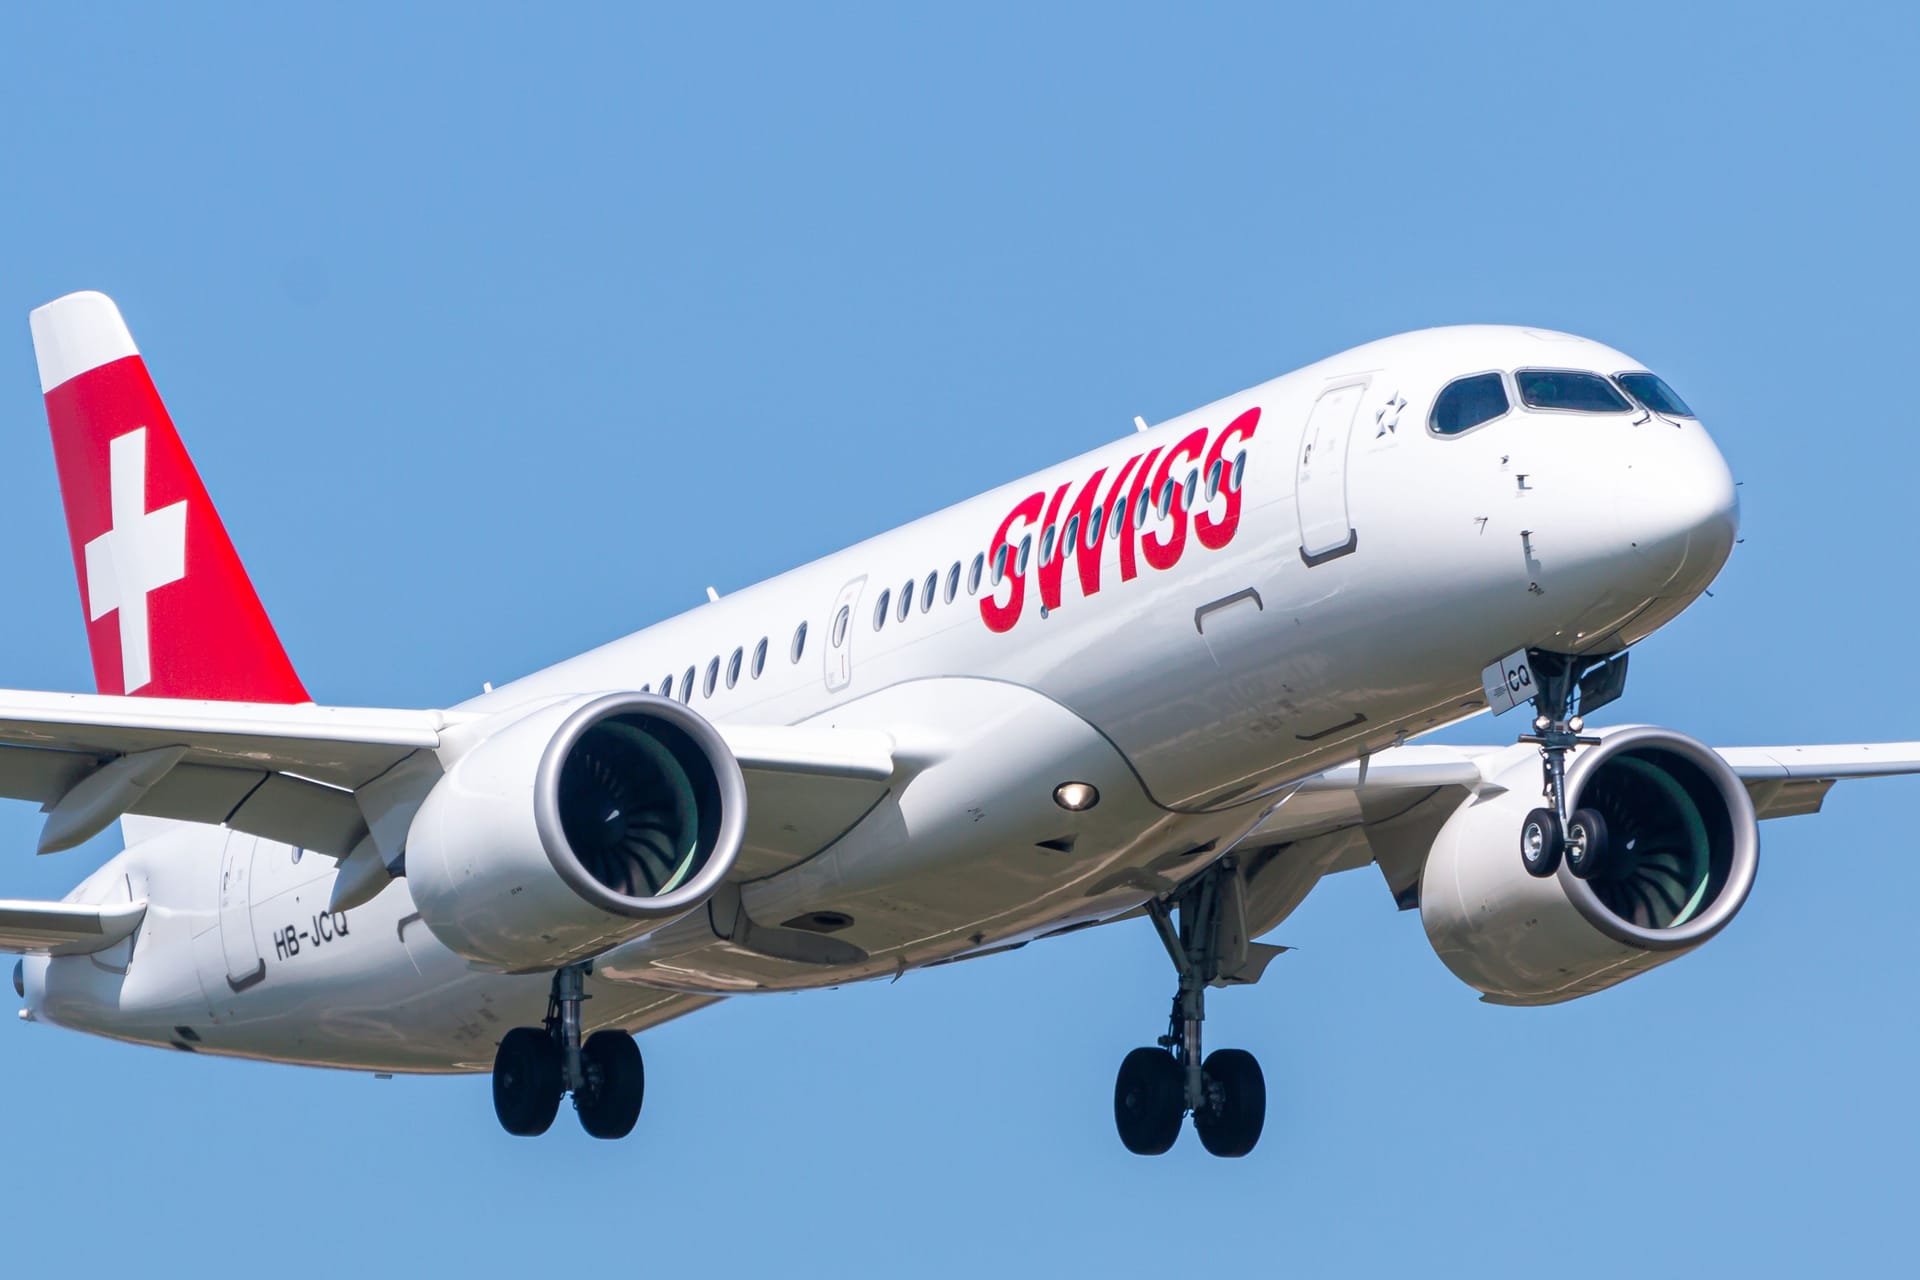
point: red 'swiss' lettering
(1215, 534)
(1130, 517)
(1110, 515)
(1073, 542)
(1164, 553)
(997, 616)
(1138, 488)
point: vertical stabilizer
(170, 610)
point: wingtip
(77, 333)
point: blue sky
(500, 331)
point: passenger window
(1000, 563)
(647, 687)
(759, 657)
(1046, 545)
(686, 685)
(973, 574)
(1655, 394)
(1096, 524)
(906, 600)
(1026, 551)
(733, 667)
(1071, 537)
(800, 637)
(840, 625)
(1569, 389)
(1213, 477)
(666, 687)
(880, 609)
(1165, 503)
(928, 589)
(1240, 467)
(1465, 404)
(1140, 512)
(953, 582)
(1187, 490)
(713, 677)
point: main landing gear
(1551, 832)
(536, 1065)
(1157, 1088)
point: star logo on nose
(1386, 419)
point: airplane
(1175, 680)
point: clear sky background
(501, 331)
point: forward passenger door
(1320, 479)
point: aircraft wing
(65, 928)
(1786, 781)
(318, 777)
(1783, 781)
(1386, 810)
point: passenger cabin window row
(1057, 541)
(936, 587)
(737, 664)
(1479, 398)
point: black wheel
(1149, 1101)
(526, 1081)
(1236, 1110)
(1586, 843)
(1542, 840)
(618, 1082)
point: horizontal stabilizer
(65, 928)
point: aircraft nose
(1679, 505)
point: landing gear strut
(1552, 831)
(1158, 1087)
(535, 1066)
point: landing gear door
(245, 965)
(839, 648)
(1320, 481)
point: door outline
(1324, 487)
(839, 647)
(245, 964)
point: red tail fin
(170, 610)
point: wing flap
(65, 928)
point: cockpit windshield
(1655, 394)
(1569, 389)
(1468, 402)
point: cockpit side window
(1654, 393)
(1465, 403)
(1569, 389)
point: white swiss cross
(143, 551)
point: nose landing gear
(1552, 832)
(535, 1066)
(1223, 1091)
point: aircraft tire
(1542, 841)
(1231, 1127)
(1149, 1101)
(611, 1110)
(526, 1082)
(1586, 843)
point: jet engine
(574, 828)
(1683, 846)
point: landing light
(1076, 797)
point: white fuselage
(1335, 590)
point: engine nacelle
(1685, 846)
(575, 828)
